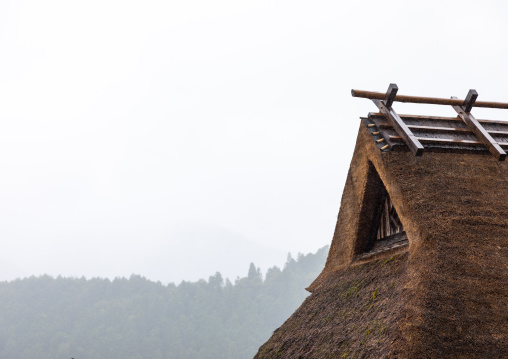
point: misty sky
(174, 139)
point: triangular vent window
(380, 226)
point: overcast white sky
(173, 139)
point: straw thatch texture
(454, 208)
(354, 313)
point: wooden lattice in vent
(389, 222)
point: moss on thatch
(354, 314)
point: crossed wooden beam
(463, 108)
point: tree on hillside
(46, 318)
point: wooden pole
(428, 100)
(400, 127)
(481, 133)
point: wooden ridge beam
(426, 100)
(480, 132)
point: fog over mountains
(201, 250)
(197, 252)
(136, 318)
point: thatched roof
(354, 313)
(444, 294)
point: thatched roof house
(418, 266)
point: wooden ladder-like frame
(384, 102)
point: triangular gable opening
(380, 228)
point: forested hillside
(52, 318)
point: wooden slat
(438, 118)
(442, 129)
(481, 133)
(420, 117)
(494, 122)
(449, 141)
(386, 218)
(431, 128)
(428, 100)
(401, 128)
(498, 132)
(442, 141)
(439, 129)
(446, 141)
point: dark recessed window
(379, 227)
(389, 230)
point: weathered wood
(481, 133)
(386, 215)
(389, 222)
(446, 141)
(497, 132)
(438, 118)
(471, 97)
(390, 95)
(439, 129)
(436, 129)
(452, 129)
(401, 128)
(428, 100)
(397, 240)
(420, 117)
(441, 141)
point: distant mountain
(46, 318)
